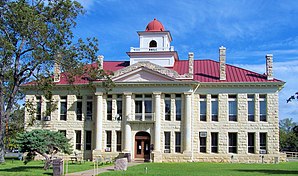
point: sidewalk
(100, 170)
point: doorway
(142, 146)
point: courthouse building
(168, 109)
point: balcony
(141, 118)
(132, 49)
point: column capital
(156, 93)
(187, 93)
(127, 93)
(98, 94)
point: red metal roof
(154, 26)
(204, 71)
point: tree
(293, 97)
(288, 136)
(34, 35)
(44, 142)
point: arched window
(153, 43)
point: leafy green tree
(44, 142)
(34, 35)
(288, 137)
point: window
(263, 141)
(167, 107)
(251, 143)
(89, 108)
(167, 142)
(48, 111)
(62, 132)
(143, 107)
(203, 106)
(232, 142)
(214, 107)
(38, 107)
(78, 139)
(108, 141)
(177, 142)
(63, 107)
(232, 108)
(178, 106)
(152, 43)
(214, 142)
(263, 108)
(109, 107)
(119, 141)
(203, 141)
(88, 140)
(119, 107)
(251, 107)
(79, 110)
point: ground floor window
(178, 142)
(203, 141)
(214, 142)
(232, 142)
(108, 141)
(251, 142)
(78, 139)
(167, 142)
(88, 140)
(263, 141)
(119, 141)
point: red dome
(155, 26)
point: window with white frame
(167, 107)
(38, 107)
(177, 142)
(251, 107)
(143, 107)
(89, 107)
(263, 108)
(263, 141)
(251, 142)
(79, 110)
(232, 142)
(214, 108)
(203, 107)
(203, 142)
(108, 141)
(119, 107)
(63, 108)
(167, 142)
(109, 107)
(178, 104)
(214, 142)
(232, 108)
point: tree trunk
(2, 117)
(48, 161)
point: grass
(209, 169)
(35, 168)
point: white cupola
(155, 46)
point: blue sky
(249, 29)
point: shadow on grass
(28, 169)
(271, 172)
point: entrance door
(142, 145)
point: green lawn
(208, 169)
(17, 168)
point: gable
(143, 75)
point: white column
(157, 122)
(99, 118)
(187, 123)
(127, 128)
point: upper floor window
(109, 107)
(214, 107)
(89, 108)
(152, 44)
(143, 107)
(119, 107)
(263, 108)
(251, 107)
(232, 108)
(38, 107)
(63, 107)
(203, 107)
(178, 104)
(79, 110)
(167, 107)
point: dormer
(155, 46)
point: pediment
(143, 75)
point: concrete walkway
(100, 170)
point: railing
(292, 155)
(141, 117)
(153, 49)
